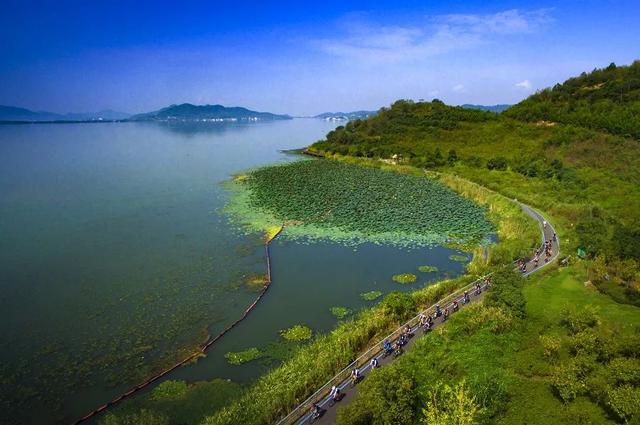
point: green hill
(589, 179)
(491, 108)
(189, 112)
(607, 99)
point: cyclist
(355, 375)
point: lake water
(115, 260)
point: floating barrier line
(201, 350)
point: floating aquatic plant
(257, 280)
(460, 258)
(169, 390)
(297, 333)
(405, 278)
(240, 357)
(371, 295)
(340, 312)
(428, 269)
(325, 199)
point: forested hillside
(607, 99)
(590, 178)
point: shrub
(387, 396)
(550, 345)
(586, 342)
(446, 405)
(578, 320)
(398, 305)
(567, 383)
(477, 317)
(624, 402)
(624, 371)
(507, 292)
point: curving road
(300, 415)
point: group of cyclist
(426, 322)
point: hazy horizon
(302, 59)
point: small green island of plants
(459, 258)
(427, 269)
(371, 295)
(240, 357)
(404, 278)
(297, 333)
(340, 312)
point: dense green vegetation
(537, 352)
(568, 344)
(331, 199)
(607, 99)
(588, 181)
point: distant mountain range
(188, 112)
(213, 113)
(345, 116)
(12, 113)
(173, 113)
(491, 108)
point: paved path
(301, 416)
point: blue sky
(301, 58)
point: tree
(387, 396)
(446, 406)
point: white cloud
(370, 41)
(511, 21)
(526, 85)
(458, 88)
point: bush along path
(323, 399)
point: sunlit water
(114, 256)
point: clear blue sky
(301, 58)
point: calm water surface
(114, 257)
